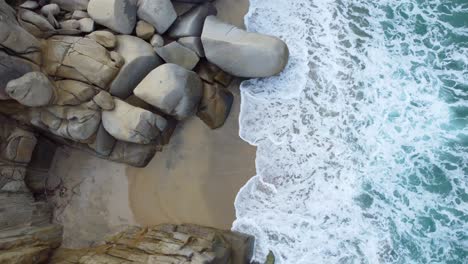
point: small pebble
(157, 41)
(144, 30)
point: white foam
(335, 125)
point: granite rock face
(172, 89)
(81, 59)
(32, 89)
(242, 53)
(132, 124)
(118, 15)
(78, 123)
(167, 244)
(175, 53)
(140, 59)
(159, 13)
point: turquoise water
(363, 140)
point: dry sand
(194, 180)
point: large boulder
(12, 36)
(193, 43)
(241, 53)
(190, 24)
(215, 105)
(81, 59)
(32, 89)
(175, 53)
(11, 68)
(78, 123)
(172, 89)
(132, 124)
(70, 92)
(35, 24)
(140, 59)
(71, 5)
(118, 15)
(159, 13)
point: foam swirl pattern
(363, 140)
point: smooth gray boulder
(104, 142)
(132, 124)
(172, 89)
(71, 5)
(157, 41)
(175, 53)
(81, 59)
(105, 38)
(241, 53)
(12, 67)
(139, 58)
(32, 89)
(193, 43)
(118, 15)
(52, 9)
(70, 92)
(159, 13)
(144, 30)
(86, 24)
(190, 24)
(34, 23)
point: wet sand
(197, 176)
(194, 180)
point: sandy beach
(195, 178)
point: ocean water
(363, 140)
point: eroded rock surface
(81, 59)
(166, 244)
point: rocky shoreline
(113, 78)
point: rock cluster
(114, 76)
(26, 234)
(165, 244)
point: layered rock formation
(165, 244)
(26, 233)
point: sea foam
(362, 141)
